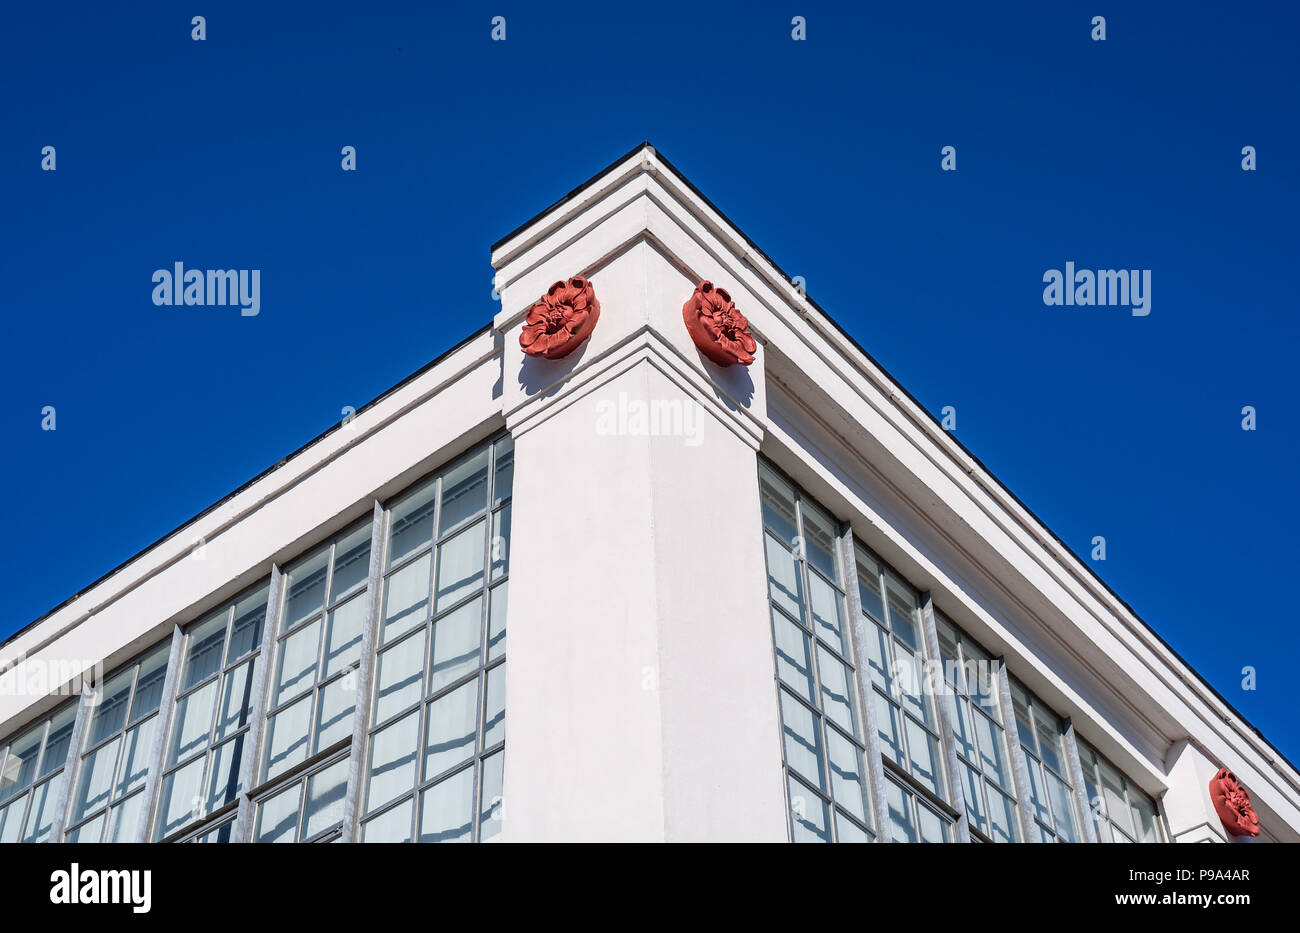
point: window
(210, 718)
(905, 713)
(822, 731)
(1120, 811)
(434, 763)
(30, 770)
(984, 758)
(108, 800)
(1041, 738)
(310, 809)
(312, 690)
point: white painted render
(640, 695)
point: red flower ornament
(561, 319)
(1232, 803)
(718, 329)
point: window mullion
(242, 829)
(166, 711)
(1019, 767)
(875, 767)
(365, 669)
(85, 706)
(1075, 767)
(956, 789)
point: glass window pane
(496, 646)
(1144, 813)
(452, 729)
(785, 583)
(1020, 703)
(962, 732)
(793, 656)
(277, 817)
(337, 711)
(490, 811)
(181, 800)
(820, 535)
(351, 561)
(923, 748)
(898, 807)
(972, 790)
(464, 491)
(86, 832)
(286, 743)
(848, 781)
(124, 820)
(400, 680)
(343, 637)
(1062, 809)
(236, 701)
(1049, 740)
(59, 739)
(96, 779)
(411, 523)
(224, 782)
(460, 566)
(392, 761)
(848, 831)
(809, 815)
(1112, 786)
(193, 722)
(828, 615)
(246, 629)
(505, 470)
(110, 712)
(494, 707)
(325, 793)
(406, 598)
(992, 753)
(11, 819)
(904, 611)
(390, 826)
(1002, 811)
(295, 668)
(149, 683)
(803, 741)
(934, 828)
(500, 544)
(876, 651)
(777, 497)
(838, 699)
(447, 809)
(869, 586)
(910, 677)
(204, 644)
(888, 728)
(135, 757)
(456, 644)
(947, 647)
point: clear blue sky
(1115, 154)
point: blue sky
(1117, 154)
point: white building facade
(761, 602)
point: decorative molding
(719, 330)
(1232, 804)
(560, 320)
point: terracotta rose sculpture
(561, 319)
(1232, 803)
(718, 329)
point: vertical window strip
(983, 754)
(211, 716)
(1051, 795)
(907, 720)
(109, 793)
(1119, 810)
(434, 765)
(823, 748)
(32, 768)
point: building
(762, 601)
